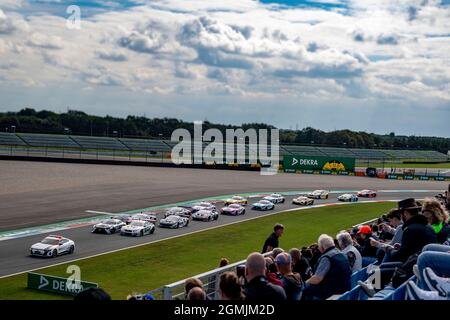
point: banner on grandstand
(57, 285)
(324, 164)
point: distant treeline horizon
(29, 120)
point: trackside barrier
(210, 279)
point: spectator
(345, 242)
(272, 241)
(192, 283)
(276, 251)
(437, 217)
(292, 282)
(257, 287)
(368, 252)
(272, 272)
(300, 264)
(436, 257)
(223, 262)
(93, 294)
(394, 228)
(196, 294)
(416, 231)
(332, 274)
(229, 287)
(315, 255)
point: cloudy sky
(373, 65)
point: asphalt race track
(14, 253)
(33, 193)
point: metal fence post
(167, 293)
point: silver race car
(205, 215)
(203, 206)
(178, 211)
(233, 210)
(52, 246)
(275, 198)
(174, 222)
(150, 217)
(138, 228)
(318, 194)
(303, 201)
(108, 226)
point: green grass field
(151, 266)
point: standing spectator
(229, 287)
(272, 272)
(272, 241)
(300, 264)
(276, 251)
(332, 274)
(292, 282)
(223, 262)
(257, 287)
(416, 231)
(437, 217)
(345, 242)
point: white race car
(145, 216)
(174, 222)
(203, 206)
(205, 215)
(138, 228)
(108, 226)
(52, 246)
(318, 194)
(348, 197)
(275, 198)
(366, 193)
(303, 201)
(178, 211)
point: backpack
(404, 272)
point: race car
(138, 228)
(263, 205)
(52, 246)
(233, 210)
(124, 218)
(150, 217)
(108, 226)
(203, 206)
(236, 200)
(366, 193)
(275, 198)
(303, 201)
(174, 222)
(205, 215)
(318, 194)
(178, 211)
(348, 197)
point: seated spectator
(93, 294)
(395, 230)
(368, 252)
(257, 287)
(345, 242)
(223, 262)
(332, 274)
(196, 294)
(272, 272)
(416, 231)
(272, 241)
(192, 283)
(300, 264)
(436, 257)
(276, 251)
(315, 255)
(229, 287)
(437, 217)
(292, 282)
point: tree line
(77, 122)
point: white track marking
(100, 212)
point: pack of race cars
(145, 223)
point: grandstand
(165, 146)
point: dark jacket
(271, 241)
(365, 248)
(416, 235)
(259, 289)
(293, 286)
(302, 267)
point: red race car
(367, 193)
